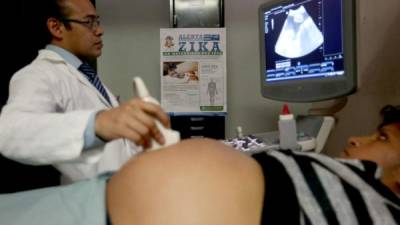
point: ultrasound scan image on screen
(299, 35)
(303, 40)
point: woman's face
(382, 147)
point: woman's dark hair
(390, 114)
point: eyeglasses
(92, 23)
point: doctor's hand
(134, 120)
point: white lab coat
(45, 118)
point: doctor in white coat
(55, 115)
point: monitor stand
(319, 122)
(318, 127)
(312, 133)
(313, 129)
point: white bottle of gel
(287, 130)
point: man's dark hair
(53, 9)
(56, 9)
(390, 114)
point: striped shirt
(313, 189)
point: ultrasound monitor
(308, 49)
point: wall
(379, 71)
(131, 42)
(132, 48)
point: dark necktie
(91, 75)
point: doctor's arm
(133, 120)
(37, 128)
(34, 126)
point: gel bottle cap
(285, 115)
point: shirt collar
(66, 55)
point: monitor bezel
(316, 89)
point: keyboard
(255, 143)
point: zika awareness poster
(193, 70)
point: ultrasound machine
(308, 54)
